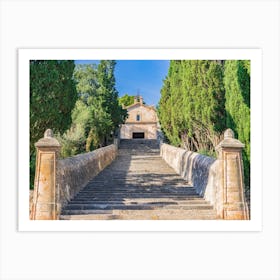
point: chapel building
(142, 121)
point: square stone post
(44, 198)
(116, 142)
(232, 204)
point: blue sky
(143, 76)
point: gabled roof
(138, 104)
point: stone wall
(149, 130)
(193, 167)
(31, 193)
(73, 173)
(146, 113)
(220, 181)
(214, 189)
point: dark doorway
(138, 135)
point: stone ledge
(73, 173)
(192, 166)
(202, 172)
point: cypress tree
(164, 108)
(193, 99)
(109, 95)
(237, 87)
(52, 97)
(201, 98)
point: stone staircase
(138, 185)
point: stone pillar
(231, 204)
(44, 198)
(116, 142)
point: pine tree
(97, 112)
(126, 100)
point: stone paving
(138, 185)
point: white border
(255, 55)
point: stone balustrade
(219, 181)
(193, 167)
(73, 173)
(58, 180)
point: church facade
(142, 121)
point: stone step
(141, 201)
(123, 196)
(138, 147)
(146, 150)
(131, 176)
(134, 178)
(171, 214)
(154, 189)
(139, 142)
(138, 185)
(91, 208)
(194, 199)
